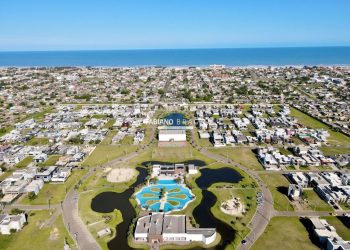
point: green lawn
(127, 140)
(55, 192)
(278, 186)
(201, 142)
(23, 163)
(177, 154)
(286, 233)
(106, 153)
(96, 220)
(37, 141)
(108, 139)
(314, 202)
(329, 151)
(335, 138)
(109, 124)
(34, 237)
(247, 197)
(50, 161)
(5, 130)
(342, 229)
(242, 155)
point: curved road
(263, 214)
(74, 224)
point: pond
(202, 213)
(197, 163)
(108, 201)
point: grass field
(96, 220)
(329, 151)
(335, 138)
(108, 139)
(342, 229)
(109, 124)
(23, 163)
(201, 142)
(34, 237)
(37, 141)
(315, 202)
(278, 186)
(106, 153)
(50, 161)
(247, 197)
(177, 154)
(286, 233)
(242, 155)
(55, 192)
(127, 140)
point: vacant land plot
(178, 154)
(23, 163)
(278, 186)
(342, 229)
(329, 151)
(335, 138)
(201, 142)
(242, 155)
(50, 161)
(287, 233)
(37, 141)
(108, 139)
(47, 237)
(106, 153)
(314, 202)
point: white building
(9, 222)
(159, 228)
(169, 135)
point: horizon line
(152, 49)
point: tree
(32, 196)
(16, 211)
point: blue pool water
(154, 190)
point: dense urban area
(175, 158)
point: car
(244, 242)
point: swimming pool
(176, 198)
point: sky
(170, 24)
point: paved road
(308, 213)
(71, 218)
(263, 214)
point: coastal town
(175, 157)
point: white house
(9, 222)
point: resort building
(173, 170)
(159, 228)
(172, 135)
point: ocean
(311, 56)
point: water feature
(202, 213)
(176, 198)
(108, 201)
